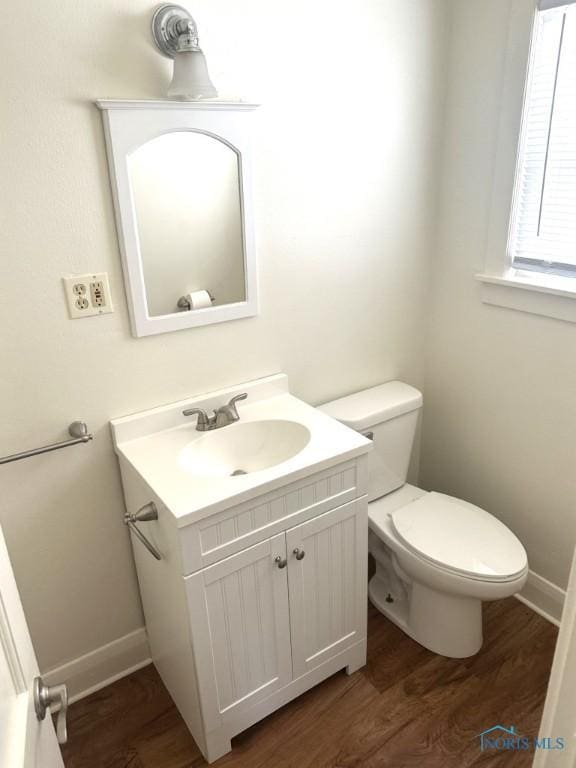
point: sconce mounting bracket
(174, 30)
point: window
(542, 235)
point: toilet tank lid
(372, 406)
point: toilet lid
(460, 537)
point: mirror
(187, 205)
(181, 180)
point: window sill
(546, 295)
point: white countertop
(151, 442)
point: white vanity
(260, 592)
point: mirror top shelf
(172, 104)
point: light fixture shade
(191, 79)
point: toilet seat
(460, 538)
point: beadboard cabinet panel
(244, 624)
(327, 585)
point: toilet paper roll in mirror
(196, 300)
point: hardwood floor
(407, 707)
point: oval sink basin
(243, 448)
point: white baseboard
(543, 597)
(99, 668)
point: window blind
(543, 225)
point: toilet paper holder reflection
(184, 302)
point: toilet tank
(389, 414)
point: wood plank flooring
(406, 708)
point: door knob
(45, 697)
(280, 562)
(300, 554)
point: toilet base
(393, 607)
(449, 625)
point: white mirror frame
(128, 125)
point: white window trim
(501, 284)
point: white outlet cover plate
(79, 295)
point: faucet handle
(228, 414)
(203, 418)
(232, 405)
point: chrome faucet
(226, 414)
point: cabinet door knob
(280, 562)
(300, 554)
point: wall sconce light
(176, 35)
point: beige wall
(500, 409)
(345, 173)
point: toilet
(437, 557)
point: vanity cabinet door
(241, 628)
(327, 559)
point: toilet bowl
(437, 557)
(431, 579)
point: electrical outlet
(97, 294)
(88, 295)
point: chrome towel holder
(78, 431)
(145, 514)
